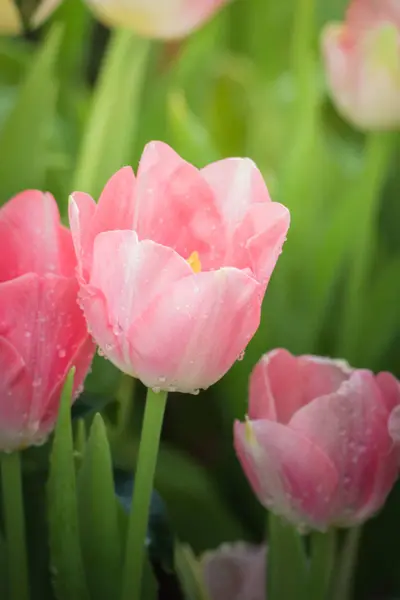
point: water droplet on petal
(62, 353)
(156, 389)
(241, 356)
(196, 392)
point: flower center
(194, 262)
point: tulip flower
(156, 18)
(362, 61)
(235, 572)
(316, 447)
(42, 329)
(174, 264)
(10, 16)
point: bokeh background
(243, 85)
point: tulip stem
(144, 477)
(302, 43)
(378, 152)
(14, 521)
(345, 571)
(287, 562)
(323, 552)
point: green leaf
(149, 582)
(25, 135)
(114, 114)
(65, 550)
(189, 137)
(99, 524)
(3, 568)
(189, 574)
(287, 564)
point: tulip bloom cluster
(316, 447)
(362, 59)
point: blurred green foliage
(230, 89)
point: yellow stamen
(249, 432)
(194, 262)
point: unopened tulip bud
(362, 61)
(162, 19)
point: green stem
(144, 477)
(367, 195)
(287, 564)
(323, 549)
(14, 519)
(345, 571)
(302, 47)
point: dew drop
(28, 334)
(241, 356)
(162, 379)
(156, 389)
(62, 353)
(196, 392)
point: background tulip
(362, 59)
(10, 15)
(174, 265)
(156, 18)
(235, 572)
(42, 329)
(316, 447)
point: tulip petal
(126, 276)
(113, 211)
(282, 383)
(394, 425)
(237, 183)
(14, 394)
(235, 572)
(289, 474)
(175, 206)
(49, 335)
(390, 389)
(172, 337)
(155, 18)
(350, 426)
(258, 240)
(32, 239)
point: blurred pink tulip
(156, 18)
(316, 447)
(42, 329)
(362, 59)
(235, 572)
(174, 265)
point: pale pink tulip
(163, 19)
(174, 265)
(362, 59)
(10, 15)
(42, 329)
(235, 572)
(316, 447)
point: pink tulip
(362, 59)
(42, 330)
(316, 447)
(235, 572)
(174, 265)
(156, 18)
